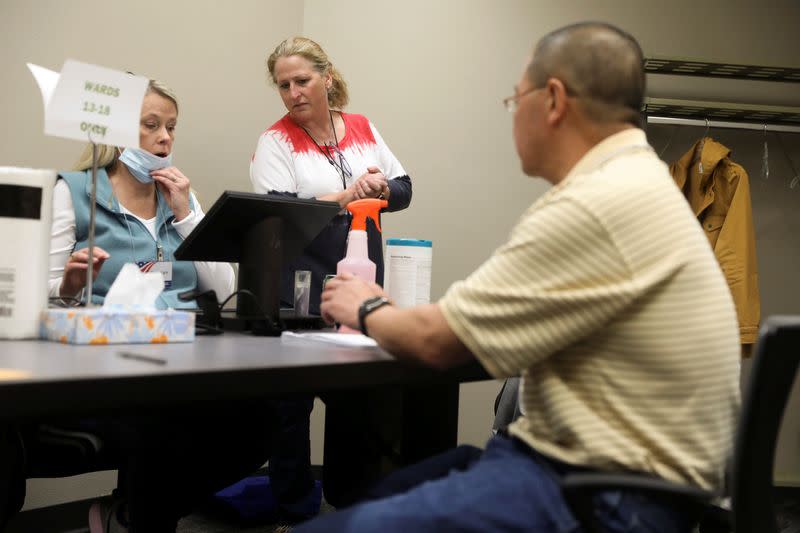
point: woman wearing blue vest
(171, 461)
(144, 211)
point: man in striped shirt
(607, 299)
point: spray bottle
(356, 261)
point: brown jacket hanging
(720, 198)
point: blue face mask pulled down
(141, 162)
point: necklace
(342, 167)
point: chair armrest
(593, 482)
(578, 490)
(60, 451)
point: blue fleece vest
(126, 239)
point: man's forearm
(420, 334)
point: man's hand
(432, 342)
(342, 297)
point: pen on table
(143, 358)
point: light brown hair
(107, 155)
(304, 47)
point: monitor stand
(260, 232)
(258, 304)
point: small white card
(164, 267)
(87, 102)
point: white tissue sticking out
(134, 289)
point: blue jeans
(508, 488)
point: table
(45, 379)
(68, 379)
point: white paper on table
(353, 340)
(89, 102)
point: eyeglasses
(512, 102)
(334, 156)
(340, 162)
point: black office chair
(12, 474)
(46, 451)
(64, 450)
(777, 355)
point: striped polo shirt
(608, 300)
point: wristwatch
(368, 306)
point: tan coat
(720, 198)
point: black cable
(76, 302)
(205, 329)
(252, 297)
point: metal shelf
(709, 69)
(722, 114)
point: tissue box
(110, 326)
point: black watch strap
(368, 306)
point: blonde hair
(107, 155)
(304, 47)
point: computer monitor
(260, 232)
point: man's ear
(556, 100)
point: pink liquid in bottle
(356, 262)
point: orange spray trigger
(361, 209)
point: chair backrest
(770, 382)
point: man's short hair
(599, 64)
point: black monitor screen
(219, 236)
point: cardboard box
(99, 325)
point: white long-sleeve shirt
(218, 277)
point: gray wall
(430, 75)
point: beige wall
(430, 75)
(211, 53)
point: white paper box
(98, 325)
(26, 213)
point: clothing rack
(721, 114)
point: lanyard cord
(326, 152)
(159, 248)
(157, 236)
(125, 218)
(167, 239)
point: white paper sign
(88, 102)
(47, 81)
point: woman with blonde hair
(171, 461)
(145, 209)
(316, 150)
